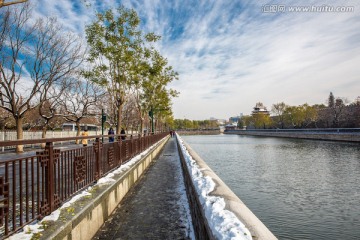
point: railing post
(148, 141)
(139, 144)
(3, 138)
(51, 177)
(48, 159)
(132, 146)
(97, 150)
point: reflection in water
(300, 189)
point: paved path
(157, 207)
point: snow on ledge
(223, 223)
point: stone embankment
(346, 135)
(198, 132)
(205, 217)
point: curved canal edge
(216, 211)
(336, 135)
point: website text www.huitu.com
(277, 8)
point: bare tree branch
(4, 4)
(35, 62)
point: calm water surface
(300, 189)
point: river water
(300, 189)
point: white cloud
(231, 55)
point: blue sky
(231, 54)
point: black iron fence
(36, 183)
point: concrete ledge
(257, 229)
(199, 132)
(88, 214)
(345, 137)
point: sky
(231, 54)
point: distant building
(230, 127)
(219, 121)
(233, 120)
(72, 127)
(260, 108)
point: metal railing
(11, 135)
(34, 184)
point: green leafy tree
(279, 110)
(115, 42)
(154, 96)
(294, 116)
(301, 116)
(310, 115)
(247, 120)
(188, 124)
(261, 120)
(240, 123)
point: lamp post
(151, 115)
(103, 120)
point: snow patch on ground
(223, 223)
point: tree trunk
(141, 125)
(19, 134)
(119, 111)
(78, 132)
(43, 135)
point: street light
(151, 115)
(103, 120)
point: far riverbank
(199, 132)
(333, 134)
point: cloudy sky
(231, 54)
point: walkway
(157, 207)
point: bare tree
(49, 109)
(4, 4)
(79, 101)
(6, 119)
(35, 58)
(12, 86)
(130, 114)
(338, 110)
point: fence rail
(34, 135)
(34, 185)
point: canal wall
(315, 135)
(84, 218)
(203, 225)
(198, 132)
